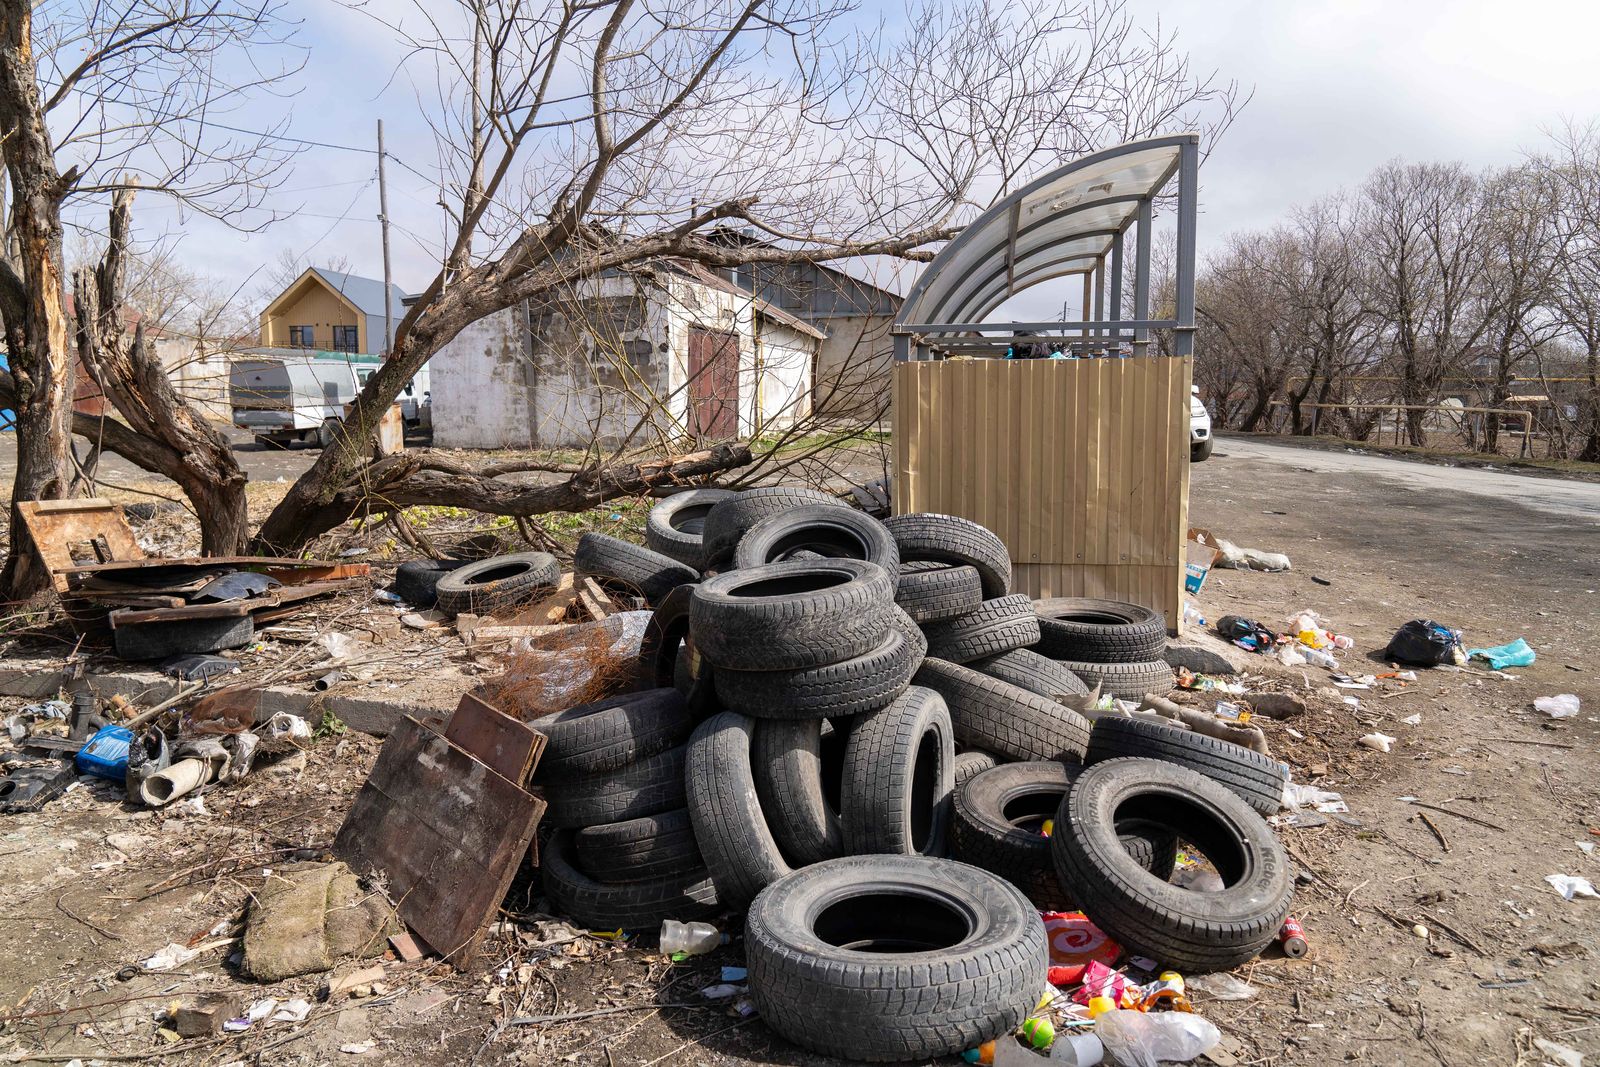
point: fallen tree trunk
(421, 477)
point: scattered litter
(1413, 720)
(1515, 654)
(1563, 706)
(1420, 931)
(1327, 802)
(339, 646)
(1571, 886)
(735, 974)
(723, 990)
(1378, 742)
(425, 620)
(283, 726)
(358, 1048)
(1427, 644)
(1250, 559)
(176, 955)
(1140, 1039)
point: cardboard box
(1201, 554)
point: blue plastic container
(106, 753)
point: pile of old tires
(1106, 643)
(832, 706)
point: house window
(345, 339)
(302, 337)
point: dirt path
(1505, 959)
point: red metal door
(713, 384)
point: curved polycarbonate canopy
(1070, 221)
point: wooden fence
(1081, 466)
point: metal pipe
(1116, 277)
(1188, 195)
(1141, 279)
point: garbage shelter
(1078, 461)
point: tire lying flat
(1099, 631)
(500, 583)
(1193, 932)
(933, 592)
(687, 894)
(646, 787)
(786, 616)
(893, 958)
(1257, 779)
(1131, 681)
(850, 687)
(638, 850)
(1004, 719)
(609, 734)
(950, 539)
(817, 531)
(727, 521)
(628, 569)
(995, 627)
(1037, 674)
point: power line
(324, 144)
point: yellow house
(331, 311)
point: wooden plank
(291, 594)
(350, 570)
(445, 832)
(553, 608)
(233, 609)
(594, 600)
(510, 748)
(56, 525)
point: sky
(1339, 87)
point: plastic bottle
(691, 939)
(1137, 1039)
(1191, 614)
(1320, 658)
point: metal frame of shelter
(1071, 221)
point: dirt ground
(90, 887)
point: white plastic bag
(1138, 1039)
(1563, 706)
(1570, 886)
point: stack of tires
(955, 581)
(623, 853)
(1106, 643)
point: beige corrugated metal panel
(1080, 466)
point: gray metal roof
(1068, 221)
(367, 295)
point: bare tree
(576, 141)
(1572, 170)
(1422, 230)
(123, 94)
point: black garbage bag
(1424, 643)
(1246, 633)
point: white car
(1199, 427)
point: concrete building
(669, 352)
(331, 311)
(853, 372)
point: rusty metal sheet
(447, 833)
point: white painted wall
(480, 383)
(854, 367)
(779, 377)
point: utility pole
(383, 218)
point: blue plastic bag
(105, 755)
(1516, 654)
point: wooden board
(55, 525)
(1080, 466)
(446, 833)
(231, 609)
(300, 569)
(510, 747)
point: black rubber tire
(933, 592)
(1099, 631)
(609, 734)
(158, 640)
(899, 772)
(674, 525)
(500, 583)
(1130, 681)
(727, 521)
(1195, 933)
(638, 850)
(791, 615)
(946, 957)
(416, 581)
(729, 824)
(646, 787)
(622, 567)
(991, 826)
(1201, 452)
(848, 688)
(949, 539)
(684, 895)
(1037, 674)
(1005, 719)
(786, 761)
(1257, 779)
(995, 627)
(825, 531)
(970, 764)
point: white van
(287, 399)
